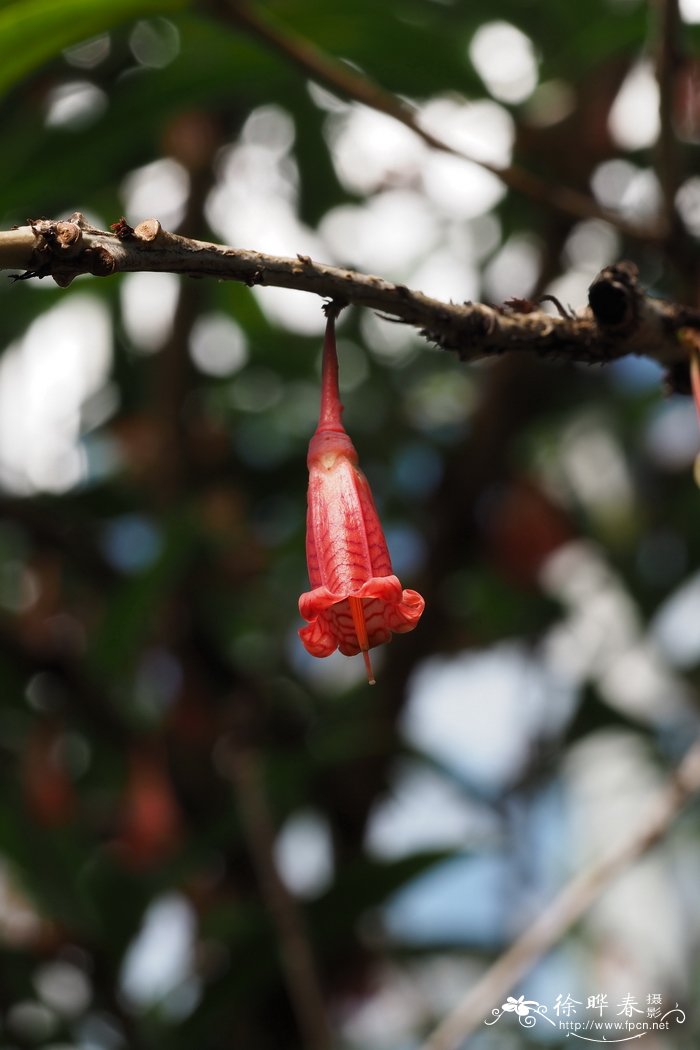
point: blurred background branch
(567, 908)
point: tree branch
(620, 320)
(352, 84)
(566, 909)
(667, 62)
(242, 766)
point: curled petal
(386, 608)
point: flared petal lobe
(356, 601)
(386, 607)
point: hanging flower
(695, 375)
(690, 338)
(356, 601)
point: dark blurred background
(180, 780)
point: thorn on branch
(516, 305)
(567, 314)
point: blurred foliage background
(184, 790)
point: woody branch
(620, 319)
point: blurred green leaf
(34, 31)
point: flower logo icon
(520, 1006)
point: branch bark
(620, 319)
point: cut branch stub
(613, 297)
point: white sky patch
(296, 313)
(446, 277)
(633, 191)
(643, 197)
(63, 987)
(590, 244)
(254, 178)
(388, 1017)
(611, 180)
(273, 226)
(386, 234)
(601, 638)
(157, 189)
(484, 234)
(676, 626)
(571, 289)
(505, 60)
(479, 713)
(459, 188)
(690, 11)
(423, 811)
(148, 302)
(160, 958)
(271, 127)
(75, 105)
(371, 150)
(218, 346)
(304, 853)
(63, 359)
(634, 117)
(514, 270)
(671, 435)
(688, 203)
(637, 930)
(483, 130)
(595, 467)
(254, 204)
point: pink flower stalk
(356, 601)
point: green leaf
(34, 31)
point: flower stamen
(358, 619)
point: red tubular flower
(356, 601)
(695, 374)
